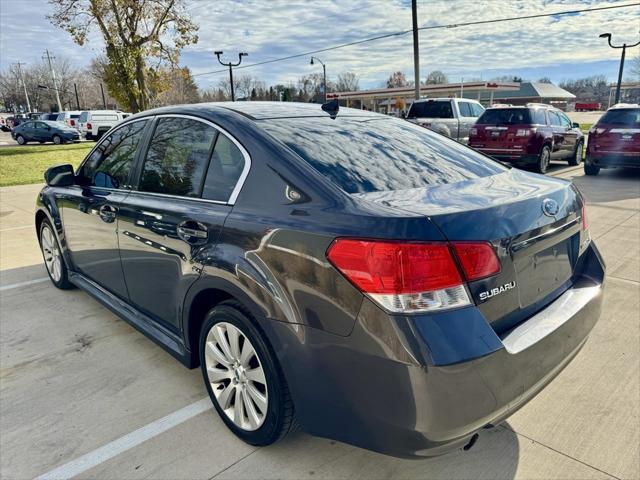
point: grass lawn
(20, 165)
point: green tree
(135, 33)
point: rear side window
(554, 119)
(505, 116)
(227, 163)
(477, 109)
(178, 157)
(465, 109)
(110, 163)
(537, 116)
(628, 117)
(364, 154)
(431, 109)
(84, 116)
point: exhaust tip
(471, 443)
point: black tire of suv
(280, 419)
(574, 160)
(63, 283)
(590, 168)
(543, 160)
(56, 139)
(21, 140)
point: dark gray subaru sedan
(353, 274)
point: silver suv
(452, 117)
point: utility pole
(231, 65)
(75, 89)
(104, 100)
(53, 76)
(19, 65)
(416, 54)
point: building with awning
(385, 100)
(529, 92)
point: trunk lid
(538, 251)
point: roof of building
(532, 90)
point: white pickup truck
(452, 117)
(95, 123)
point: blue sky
(558, 47)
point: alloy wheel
(51, 253)
(236, 376)
(544, 160)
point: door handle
(107, 213)
(192, 232)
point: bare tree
(436, 77)
(347, 82)
(397, 79)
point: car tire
(52, 256)
(590, 168)
(576, 158)
(243, 378)
(56, 139)
(21, 140)
(543, 160)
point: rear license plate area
(538, 274)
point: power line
(431, 27)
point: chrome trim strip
(247, 158)
(179, 197)
(520, 245)
(565, 307)
(519, 150)
(625, 130)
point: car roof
(445, 99)
(624, 105)
(261, 110)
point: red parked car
(530, 135)
(614, 141)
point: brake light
(525, 132)
(477, 259)
(89, 126)
(72, 122)
(597, 130)
(411, 277)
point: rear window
(84, 116)
(505, 116)
(364, 154)
(431, 109)
(98, 117)
(628, 117)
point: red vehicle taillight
(410, 277)
(88, 126)
(72, 122)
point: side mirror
(60, 176)
(575, 125)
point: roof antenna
(331, 107)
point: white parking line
(23, 284)
(16, 228)
(127, 442)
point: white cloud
(272, 29)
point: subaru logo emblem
(550, 207)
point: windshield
(505, 116)
(629, 117)
(364, 154)
(431, 109)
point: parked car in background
(16, 120)
(614, 141)
(44, 131)
(588, 106)
(53, 116)
(95, 123)
(70, 118)
(349, 272)
(452, 117)
(3, 124)
(531, 135)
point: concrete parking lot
(84, 393)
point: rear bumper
(511, 156)
(630, 160)
(386, 387)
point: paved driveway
(83, 391)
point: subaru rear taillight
(412, 277)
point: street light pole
(416, 46)
(324, 77)
(231, 65)
(624, 51)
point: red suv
(533, 135)
(614, 141)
